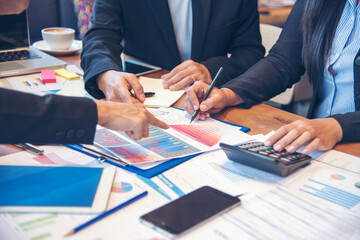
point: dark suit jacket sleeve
(102, 48)
(279, 70)
(350, 124)
(245, 49)
(48, 119)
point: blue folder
(151, 172)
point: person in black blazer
(322, 38)
(143, 29)
(30, 118)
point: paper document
(163, 97)
(327, 186)
(180, 140)
(279, 214)
(34, 83)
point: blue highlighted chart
(233, 175)
(331, 194)
(165, 144)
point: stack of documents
(180, 140)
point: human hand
(216, 101)
(134, 119)
(321, 134)
(115, 85)
(187, 73)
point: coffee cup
(58, 38)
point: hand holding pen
(196, 112)
(215, 101)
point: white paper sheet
(163, 97)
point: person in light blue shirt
(321, 37)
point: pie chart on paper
(337, 177)
(121, 187)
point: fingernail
(277, 147)
(203, 108)
(172, 88)
(268, 143)
(305, 151)
(290, 149)
(195, 107)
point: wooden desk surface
(275, 16)
(260, 118)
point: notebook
(163, 97)
(16, 55)
(44, 188)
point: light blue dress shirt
(336, 91)
(182, 19)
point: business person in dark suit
(189, 37)
(323, 38)
(30, 118)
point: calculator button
(283, 159)
(263, 153)
(274, 156)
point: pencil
(104, 214)
(206, 94)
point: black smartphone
(138, 68)
(179, 216)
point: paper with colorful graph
(180, 140)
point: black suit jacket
(144, 27)
(283, 67)
(29, 118)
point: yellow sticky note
(66, 74)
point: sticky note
(48, 76)
(66, 74)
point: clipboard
(147, 173)
(150, 172)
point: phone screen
(134, 68)
(183, 213)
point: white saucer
(75, 46)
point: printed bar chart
(205, 135)
(159, 143)
(330, 194)
(165, 144)
(107, 139)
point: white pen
(104, 155)
(30, 148)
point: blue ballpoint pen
(104, 214)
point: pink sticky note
(48, 76)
